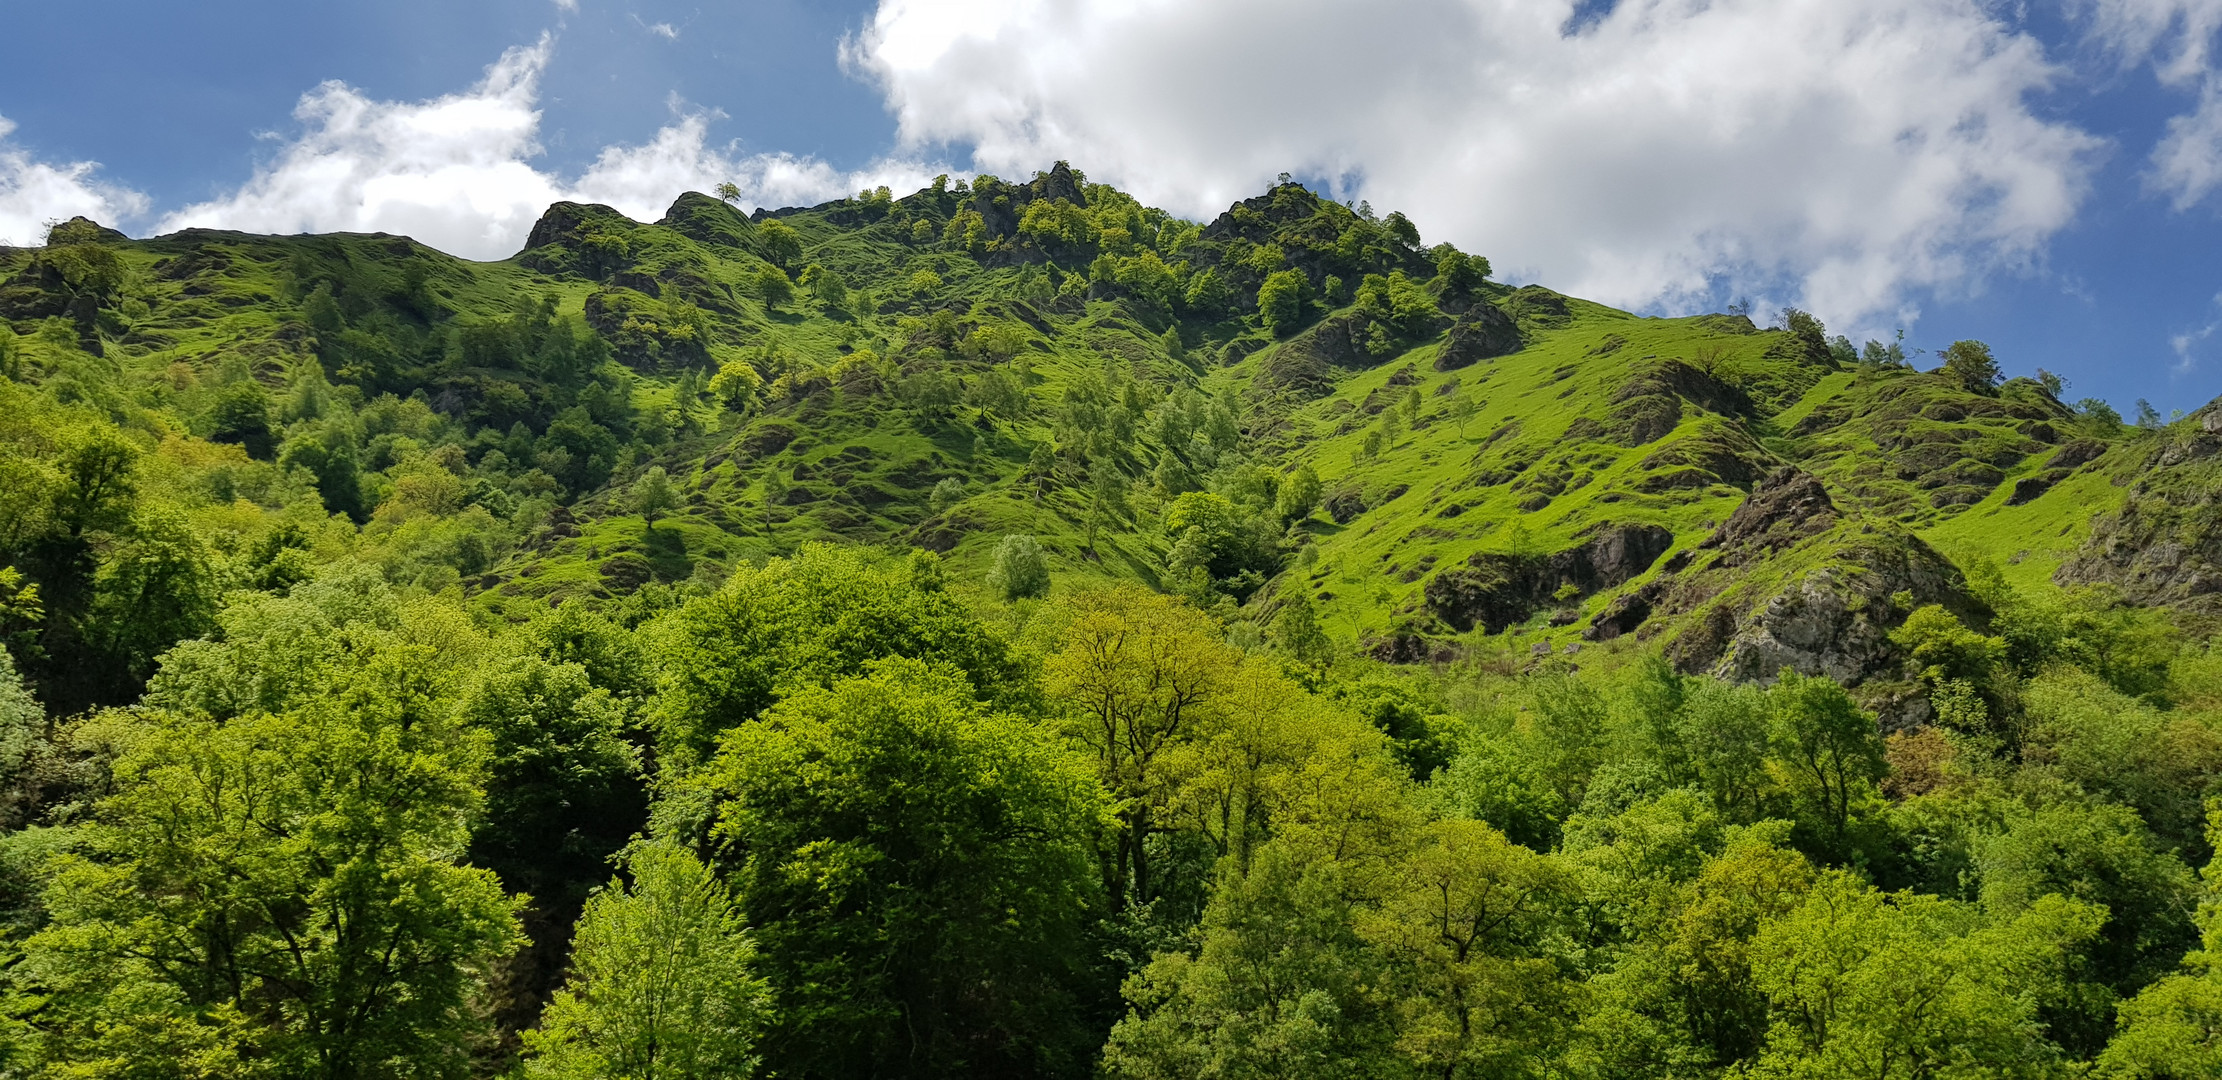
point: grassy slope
(1536, 467)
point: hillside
(1053, 359)
(1007, 630)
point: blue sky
(2042, 177)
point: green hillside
(1090, 638)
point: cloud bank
(457, 172)
(1837, 155)
(34, 193)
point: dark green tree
(917, 873)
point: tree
(729, 191)
(1463, 409)
(1830, 751)
(1278, 985)
(662, 981)
(242, 415)
(290, 878)
(817, 616)
(1465, 930)
(1299, 495)
(736, 384)
(772, 285)
(1296, 630)
(2173, 1028)
(949, 492)
(778, 242)
(653, 494)
(1139, 674)
(916, 871)
(1459, 272)
(1901, 987)
(563, 787)
(1970, 362)
(159, 587)
(826, 286)
(1281, 300)
(1020, 570)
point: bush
(1020, 569)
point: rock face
(1787, 508)
(1836, 620)
(1485, 331)
(1650, 405)
(559, 243)
(2165, 544)
(1833, 619)
(1494, 591)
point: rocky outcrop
(582, 238)
(1833, 618)
(2164, 546)
(705, 220)
(1485, 331)
(1836, 620)
(1787, 508)
(1649, 405)
(1495, 590)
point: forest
(1009, 631)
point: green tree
(1465, 930)
(1829, 752)
(563, 788)
(1970, 362)
(662, 984)
(653, 494)
(1299, 495)
(1900, 987)
(917, 873)
(806, 620)
(772, 285)
(161, 586)
(281, 888)
(1278, 985)
(945, 494)
(1281, 300)
(736, 384)
(2172, 1029)
(1019, 569)
(778, 242)
(242, 415)
(1139, 675)
(1296, 630)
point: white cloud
(664, 30)
(1852, 154)
(2177, 38)
(2187, 164)
(34, 193)
(457, 172)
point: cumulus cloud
(458, 173)
(2177, 38)
(1838, 155)
(34, 193)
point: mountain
(1051, 358)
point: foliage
(279, 887)
(916, 872)
(1020, 571)
(661, 983)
